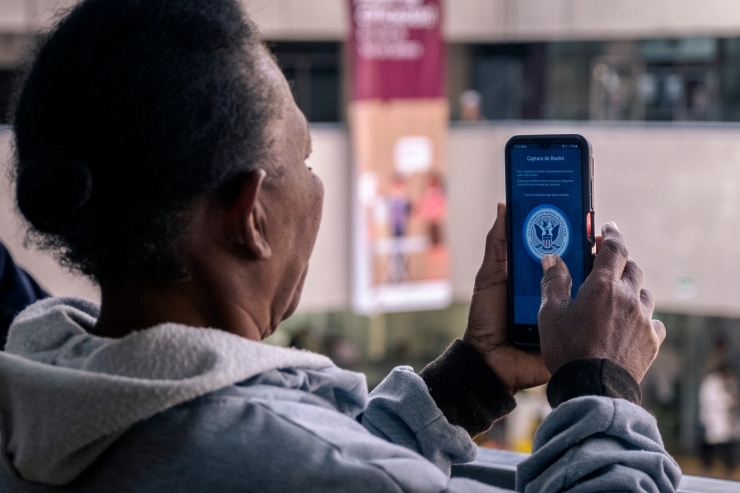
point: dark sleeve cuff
(467, 391)
(592, 376)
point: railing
(498, 468)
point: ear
(246, 220)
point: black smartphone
(549, 210)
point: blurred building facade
(529, 59)
(655, 87)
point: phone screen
(547, 218)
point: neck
(131, 306)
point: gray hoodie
(176, 408)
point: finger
(647, 301)
(496, 238)
(660, 331)
(498, 231)
(493, 269)
(556, 284)
(632, 275)
(599, 239)
(613, 255)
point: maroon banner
(398, 118)
(397, 49)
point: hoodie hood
(66, 395)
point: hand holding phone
(617, 327)
(487, 330)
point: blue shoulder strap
(17, 290)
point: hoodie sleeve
(595, 440)
(401, 411)
(436, 412)
(598, 444)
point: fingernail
(610, 224)
(548, 261)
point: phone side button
(590, 225)
(592, 167)
(592, 182)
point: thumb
(556, 283)
(496, 238)
(493, 269)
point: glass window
(568, 79)
(312, 69)
(686, 79)
(730, 80)
(510, 80)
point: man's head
(140, 118)
(131, 110)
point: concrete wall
(486, 20)
(674, 191)
(23, 16)
(466, 20)
(496, 20)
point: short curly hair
(131, 110)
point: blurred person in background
(433, 208)
(160, 152)
(718, 413)
(399, 209)
(470, 106)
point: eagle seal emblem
(546, 232)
